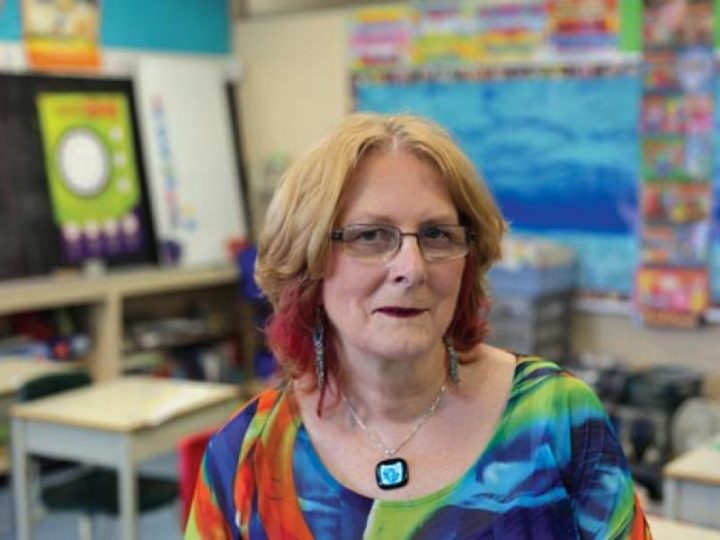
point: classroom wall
(617, 336)
(294, 89)
(196, 26)
(296, 86)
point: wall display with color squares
(672, 281)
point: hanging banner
(380, 37)
(92, 174)
(465, 34)
(584, 25)
(61, 35)
(512, 30)
(445, 34)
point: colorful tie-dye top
(552, 470)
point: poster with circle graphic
(92, 174)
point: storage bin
(531, 282)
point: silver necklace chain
(379, 444)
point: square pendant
(391, 473)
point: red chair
(190, 453)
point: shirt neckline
(415, 501)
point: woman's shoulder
(536, 368)
(527, 370)
(248, 420)
(537, 375)
(524, 368)
(531, 367)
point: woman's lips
(400, 312)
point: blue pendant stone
(391, 473)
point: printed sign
(92, 173)
(61, 34)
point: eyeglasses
(382, 242)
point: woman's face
(399, 308)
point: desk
(692, 486)
(116, 424)
(663, 529)
(13, 373)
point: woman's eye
(435, 233)
(372, 235)
(368, 236)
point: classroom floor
(162, 524)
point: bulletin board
(560, 153)
(550, 115)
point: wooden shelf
(105, 295)
(45, 293)
(182, 341)
(50, 292)
(146, 282)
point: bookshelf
(105, 296)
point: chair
(264, 364)
(190, 453)
(90, 491)
(42, 386)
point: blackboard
(29, 240)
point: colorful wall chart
(442, 33)
(672, 279)
(92, 173)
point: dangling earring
(318, 338)
(452, 361)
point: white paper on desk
(188, 146)
(163, 409)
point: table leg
(21, 481)
(127, 486)
(670, 495)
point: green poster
(91, 171)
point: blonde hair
(294, 242)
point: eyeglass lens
(380, 241)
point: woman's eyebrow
(373, 217)
(370, 218)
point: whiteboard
(191, 161)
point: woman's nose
(408, 264)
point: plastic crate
(531, 282)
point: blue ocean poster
(560, 153)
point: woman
(396, 421)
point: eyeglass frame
(336, 235)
